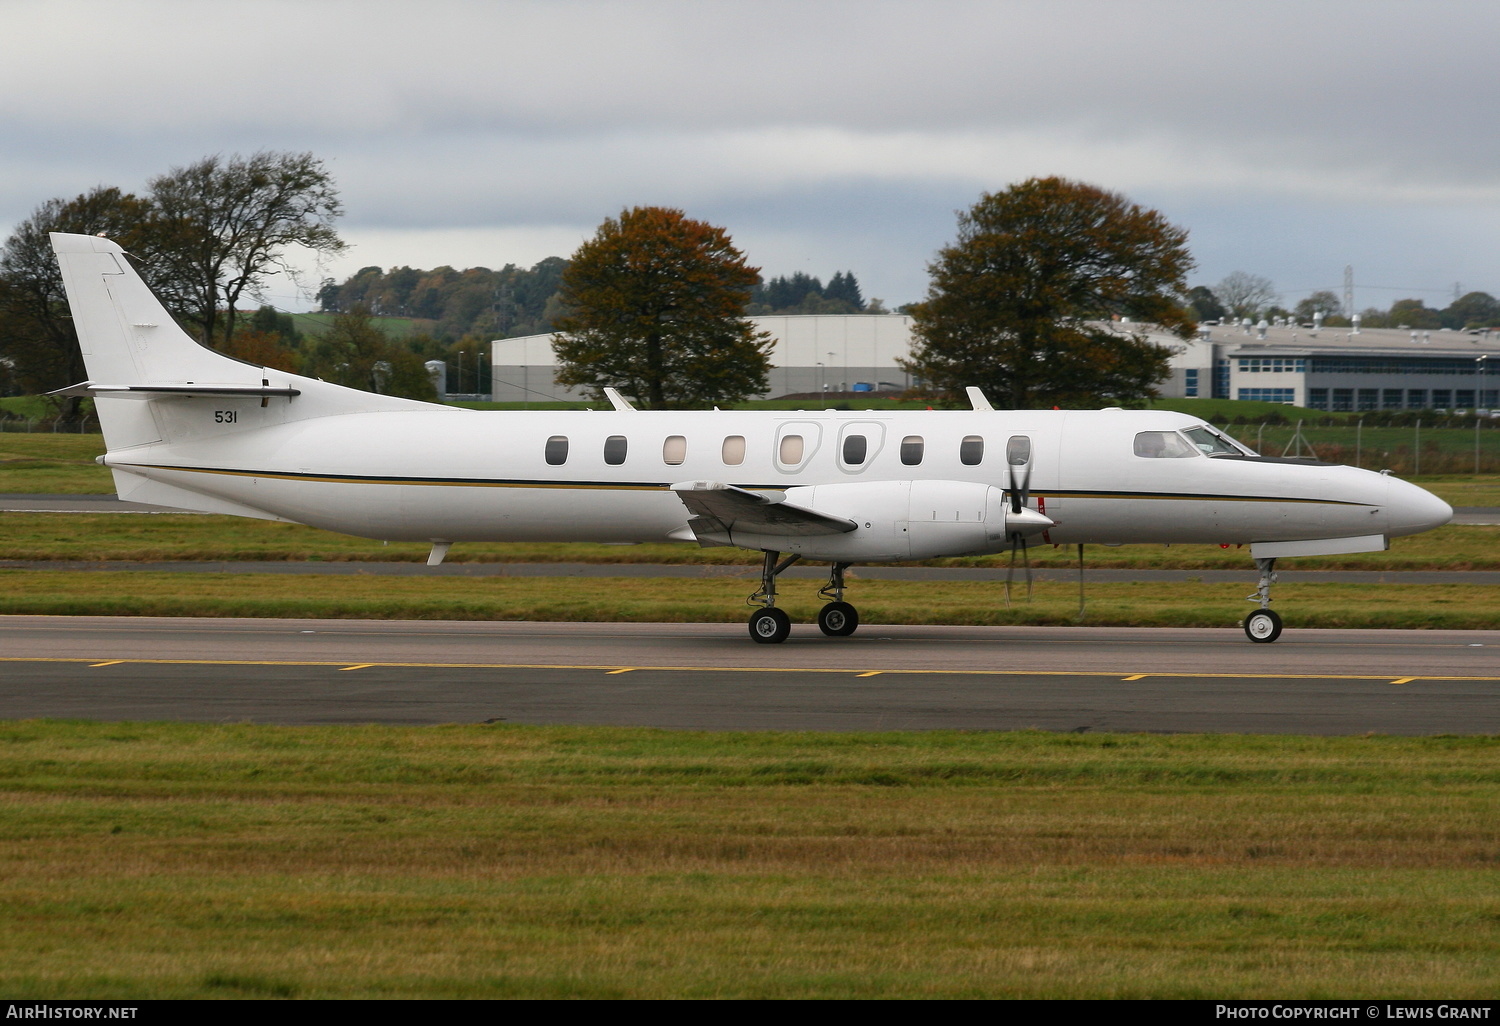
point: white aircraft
(188, 427)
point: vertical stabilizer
(152, 382)
(127, 336)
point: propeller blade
(1020, 491)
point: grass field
(90, 536)
(721, 600)
(175, 861)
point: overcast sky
(1290, 139)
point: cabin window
(1018, 451)
(855, 448)
(790, 453)
(971, 451)
(1163, 445)
(614, 450)
(557, 450)
(734, 450)
(674, 450)
(911, 450)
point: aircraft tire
(1263, 626)
(770, 626)
(838, 619)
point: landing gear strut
(1263, 625)
(769, 625)
(838, 619)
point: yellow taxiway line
(607, 668)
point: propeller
(1019, 493)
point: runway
(712, 677)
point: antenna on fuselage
(618, 401)
(977, 399)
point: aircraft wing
(723, 509)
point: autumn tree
(1013, 306)
(654, 306)
(221, 227)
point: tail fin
(153, 383)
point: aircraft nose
(1413, 510)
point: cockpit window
(1212, 443)
(1163, 445)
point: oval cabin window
(971, 451)
(674, 450)
(734, 450)
(911, 450)
(790, 453)
(557, 450)
(1018, 451)
(614, 450)
(855, 447)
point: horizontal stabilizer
(724, 508)
(186, 391)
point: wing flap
(723, 508)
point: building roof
(1302, 341)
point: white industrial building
(853, 353)
(1324, 368)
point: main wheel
(838, 619)
(1263, 625)
(770, 626)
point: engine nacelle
(898, 520)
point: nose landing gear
(838, 619)
(1263, 625)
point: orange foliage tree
(654, 307)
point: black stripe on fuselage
(487, 482)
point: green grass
(138, 536)
(43, 463)
(188, 861)
(722, 600)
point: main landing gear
(770, 626)
(1263, 625)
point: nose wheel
(1263, 625)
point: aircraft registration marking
(345, 664)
